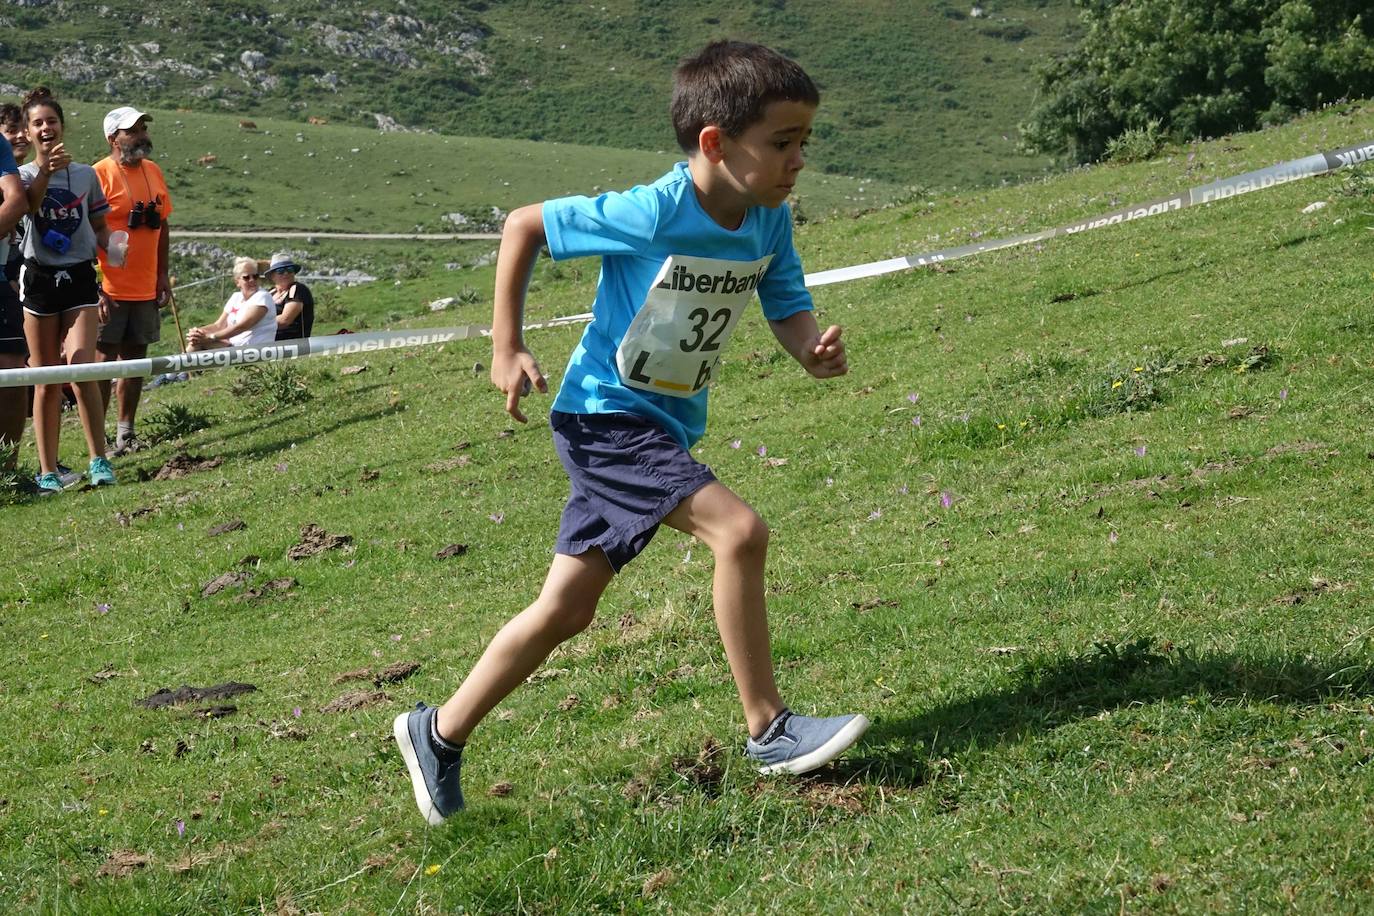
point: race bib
(674, 344)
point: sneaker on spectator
(799, 744)
(128, 445)
(101, 474)
(65, 474)
(435, 781)
(48, 484)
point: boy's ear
(709, 142)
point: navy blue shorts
(627, 474)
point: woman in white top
(249, 318)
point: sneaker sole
(401, 728)
(822, 755)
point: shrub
(272, 386)
(1136, 144)
(175, 421)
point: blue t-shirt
(8, 166)
(656, 242)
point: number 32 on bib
(675, 341)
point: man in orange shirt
(132, 293)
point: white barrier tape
(328, 278)
(354, 236)
(224, 357)
(339, 344)
(1258, 180)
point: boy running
(681, 259)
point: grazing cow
(316, 120)
(248, 125)
(207, 160)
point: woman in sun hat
(295, 303)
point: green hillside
(914, 93)
(281, 174)
(1085, 531)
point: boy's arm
(16, 202)
(513, 367)
(820, 354)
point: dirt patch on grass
(188, 694)
(315, 539)
(180, 465)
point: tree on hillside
(1199, 68)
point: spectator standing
(14, 402)
(12, 129)
(295, 303)
(133, 293)
(248, 320)
(64, 228)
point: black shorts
(11, 322)
(47, 290)
(627, 475)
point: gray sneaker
(799, 744)
(435, 782)
(127, 446)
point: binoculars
(146, 213)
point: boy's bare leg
(564, 608)
(738, 539)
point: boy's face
(763, 162)
(18, 137)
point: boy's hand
(515, 373)
(824, 355)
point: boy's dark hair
(728, 84)
(42, 95)
(10, 115)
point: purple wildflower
(102, 608)
(1283, 395)
(763, 450)
(946, 499)
(735, 443)
(916, 420)
(296, 712)
(1112, 538)
(1140, 451)
(913, 397)
(875, 514)
(181, 827)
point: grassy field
(1084, 531)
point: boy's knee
(744, 534)
(568, 618)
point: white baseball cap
(122, 119)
